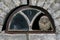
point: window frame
(15, 10)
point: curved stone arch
(22, 6)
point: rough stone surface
(9, 4)
(4, 7)
(33, 2)
(23, 2)
(13, 37)
(57, 1)
(17, 2)
(40, 3)
(57, 36)
(42, 36)
(55, 6)
(52, 6)
(48, 3)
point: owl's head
(44, 19)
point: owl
(44, 23)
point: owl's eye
(41, 20)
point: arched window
(31, 19)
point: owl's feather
(44, 27)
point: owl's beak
(44, 22)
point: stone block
(23, 2)
(42, 37)
(17, 2)
(48, 3)
(40, 3)
(57, 36)
(33, 2)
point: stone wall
(52, 6)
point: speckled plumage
(44, 23)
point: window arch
(29, 14)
